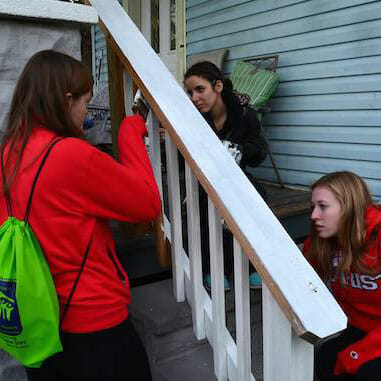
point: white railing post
(242, 312)
(146, 21)
(281, 347)
(218, 292)
(302, 360)
(174, 201)
(128, 93)
(194, 251)
(276, 340)
(154, 149)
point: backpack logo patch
(10, 323)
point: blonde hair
(354, 198)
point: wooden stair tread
(285, 202)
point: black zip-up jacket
(243, 128)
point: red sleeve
(354, 356)
(124, 191)
(312, 261)
(307, 245)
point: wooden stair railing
(297, 307)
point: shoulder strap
(27, 210)
(67, 305)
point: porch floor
(137, 256)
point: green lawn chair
(258, 79)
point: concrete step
(165, 327)
(193, 364)
(10, 369)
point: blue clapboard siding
(326, 113)
(100, 57)
(100, 53)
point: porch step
(10, 369)
(165, 327)
(190, 365)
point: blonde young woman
(345, 248)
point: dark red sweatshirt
(361, 301)
(79, 189)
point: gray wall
(19, 41)
(326, 114)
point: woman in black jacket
(231, 119)
(238, 128)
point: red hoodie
(360, 300)
(78, 190)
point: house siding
(100, 56)
(326, 113)
(100, 69)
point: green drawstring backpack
(29, 308)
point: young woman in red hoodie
(345, 249)
(78, 190)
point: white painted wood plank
(302, 361)
(206, 304)
(49, 10)
(194, 246)
(92, 31)
(213, 166)
(208, 316)
(175, 218)
(165, 27)
(242, 311)
(276, 340)
(167, 228)
(218, 292)
(146, 19)
(155, 151)
(128, 93)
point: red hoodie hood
(373, 218)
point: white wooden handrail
(301, 297)
(299, 291)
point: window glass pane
(155, 25)
(173, 24)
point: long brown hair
(354, 197)
(40, 94)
